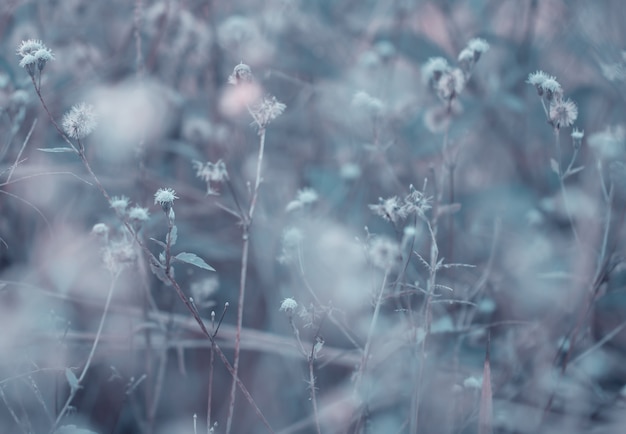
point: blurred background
(362, 122)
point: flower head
(288, 305)
(211, 173)
(450, 84)
(478, 46)
(80, 121)
(268, 110)
(577, 138)
(138, 214)
(34, 52)
(390, 209)
(563, 113)
(120, 203)
(471, 54)
(552, 89)
(306, 196)
(369, 104)
(433, 69)
(241, 74)
(165, 197)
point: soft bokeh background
(156, 73)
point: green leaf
(72, 380)
(173, 236)
(555, 166)
(192, 259)
(56, 150)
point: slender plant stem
(313, 393)
(242, 278)
(427, 319)
(370, 334)
(91, 353)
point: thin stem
(91, 353)
(313, 393)
(427, 319)
(242, 278)
(566, 203)
(370, 333)
(19, 154)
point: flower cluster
(135, 214)
(266, 111)
(211, 173)
(34, 54)
(561, 112)
(394, 209)
(80, 121)
(304, 197)
(447, 81)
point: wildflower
(100, 229)
(563, 113)
(304, 197)
(211, 173)
(450, 84)
(369, 104)
(384, 252)
(537, 79)
(416, 202)
(577, 138)
(32, 52)
(268, 110)
(120, 203)
(552, 89)
(434, 69)
(288, 305)
(165, 197)
(478, 46)
(80, 121)
(138, 214)
(471, 54)
(390, 209)
(241, 74)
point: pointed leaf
(192, 259)
(173, 236)
(56, 150)
(555, 166)
(72, 380)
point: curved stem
(91, 353)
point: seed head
(80, 121)
(563, 113)
(241, 74)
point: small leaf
(72, 380)
(555, 166)
(192, 259)
(573, 171)
(173, 236)
(56, 150)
